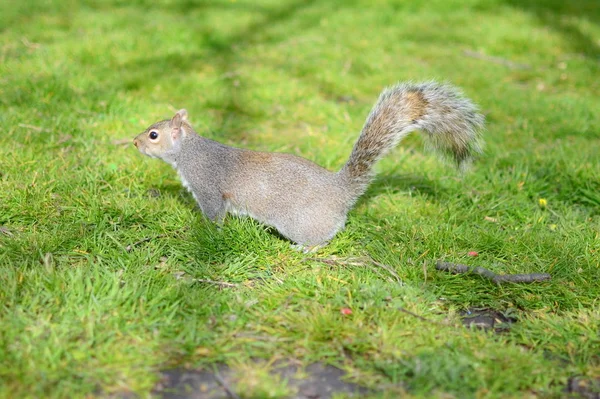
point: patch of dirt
(191, 384)
(321, 382)
(487, 319)
(584, 388)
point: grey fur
(303, 201)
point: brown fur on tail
(451, 123)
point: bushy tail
(450, 121)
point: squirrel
(305, 202)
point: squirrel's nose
(136, 142)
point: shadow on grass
(397, 182)
(559, 16)
(222, 54)
(219, 51)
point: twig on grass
(388, 269)
(135, 244)
(458, 268)
(417, 316)
(335, 261)
(230, 393)
(130, 246)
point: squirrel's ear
(175, 125)
(184, 114)
(176, 121)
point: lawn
(109, 274)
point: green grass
(81, 315)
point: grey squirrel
(303, 201)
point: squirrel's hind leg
(311, 233)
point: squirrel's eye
(153, 135)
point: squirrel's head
(163, 139)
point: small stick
(388, 269)
(230, 393)
(334, 261)
(130, 246)
(416, 315)
(522, 278)
(458, 268)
